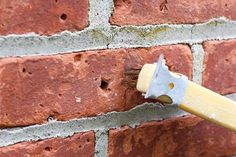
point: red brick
(52, 16)
(81, 144)
(35, 88)
(220, 66)
(178, 137)
(140, 12)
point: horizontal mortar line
(132, 118)
(139, 114)
(93, 38)
(231, 96)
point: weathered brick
(80, 144)
(77, 84)
(220, 66)
(179, 137)
(52, 16)
(140, 12)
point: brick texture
(220, 66)
(18, 17)
(77, 84)
(81, 144)
(140, 12)
(178, 137)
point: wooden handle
(209, 105)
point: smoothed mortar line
(198, 57)
(139, 114)
(232, 96)
(103, 37)
(132, 118)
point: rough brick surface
(140, 12)
(220, 66)
(18, 17)
(81, 144)
(78, 84)
(178, 137)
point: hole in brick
(80, 146)
(86, 61)
(88, 140)
(63, 17)
(227, 60)
(41, 105)
(104, 84)
(23, 70)
(77, 57)
(50, 118)
(48, 148)
(56, 1)
(59, 94)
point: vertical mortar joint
(198, 57)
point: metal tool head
(166, 83)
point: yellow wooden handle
(209, 105)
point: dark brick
(142, 12)
(78, 84)
(80, 144)
(178, 137)
(220, 66)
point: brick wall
(62, 62)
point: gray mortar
(101, 35)
(106, 36)
(232, 96)
(99, 12)
(100, 124)
(101, 143)
(137, 115)
(198, 56)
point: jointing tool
(156, 81)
